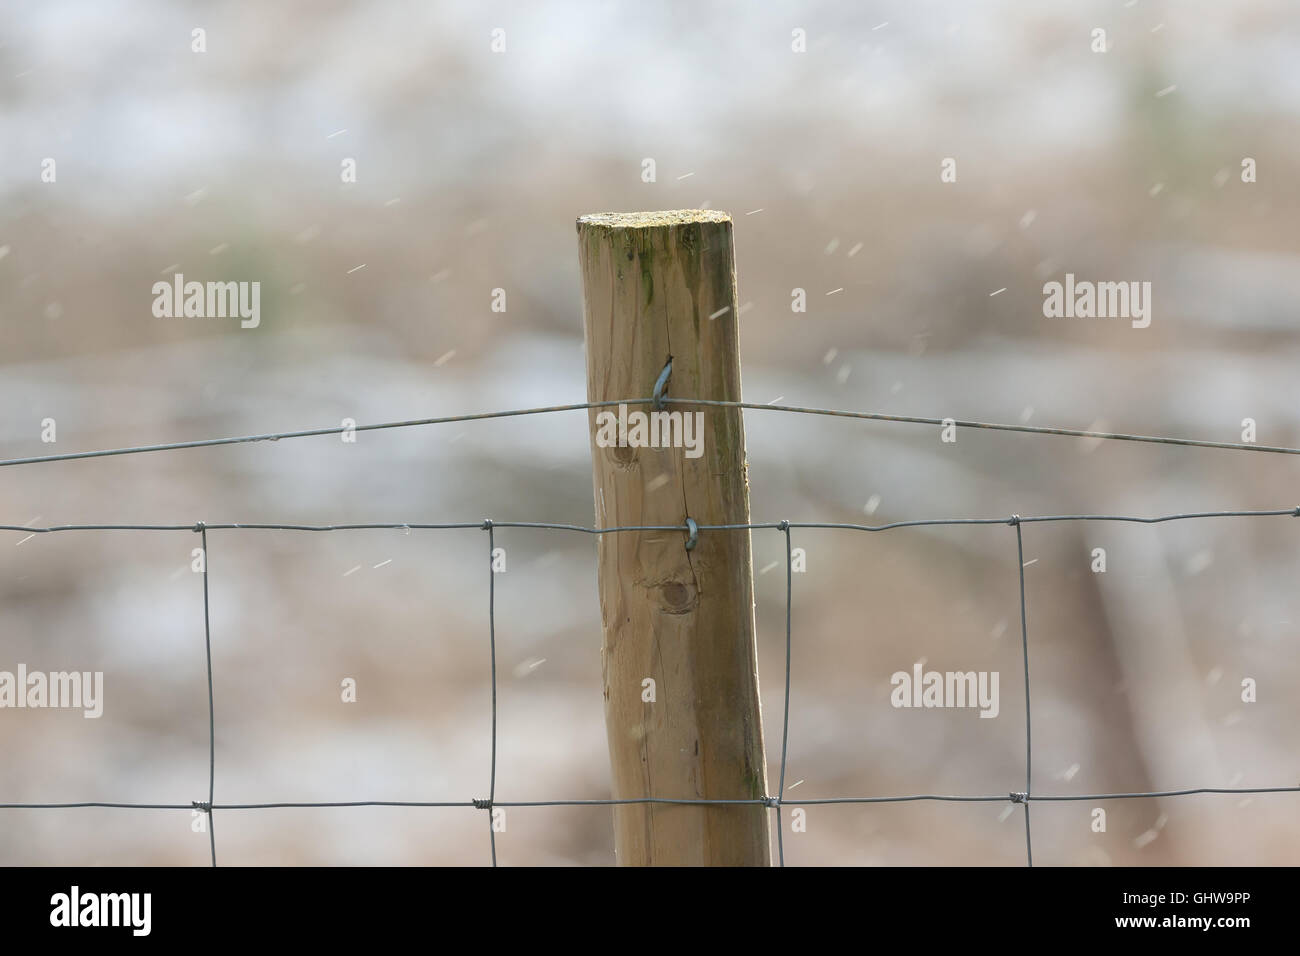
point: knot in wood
(677, 597)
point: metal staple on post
(661, 385)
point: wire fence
(775, 803)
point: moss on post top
(646, 220)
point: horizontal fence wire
(775, 803)
(658, 402)
(685, 529)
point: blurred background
(924, 298)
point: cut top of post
(646, 220)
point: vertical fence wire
(201, 528)
(785, 719)
(492, 646)
(1024, 644)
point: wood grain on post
(660, 285)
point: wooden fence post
(660, 285)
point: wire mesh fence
(1023, 797)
